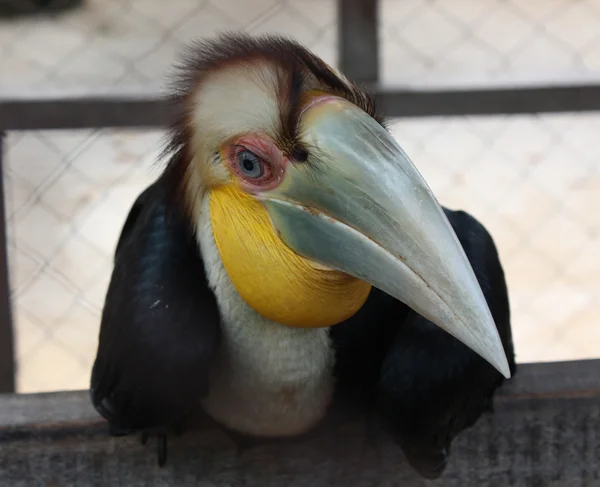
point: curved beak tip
(503, 367)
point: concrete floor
(534, 181)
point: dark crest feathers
(201, 57)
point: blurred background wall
(533, 180)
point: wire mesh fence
(67, 195)
(112, 43)
(467, 42)
(534, 181)
(108, 43)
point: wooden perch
(545, 432)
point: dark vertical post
(358, 42)
(7, 356)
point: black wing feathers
(160, 323)
(431, 385)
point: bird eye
(250, 164)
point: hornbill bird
(290, 254)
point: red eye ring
(257, 161)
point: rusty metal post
(7, 356)
(358, 42)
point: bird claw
(161, 449)
(161, 444)
(429, 463)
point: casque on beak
(360, 206)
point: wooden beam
(7, 356)
(545, 432)
(14, 9)
(487, 101)
(83, 112)
(63, 111)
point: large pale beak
(360, 206)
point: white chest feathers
(268, 379)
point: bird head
(311, 201)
